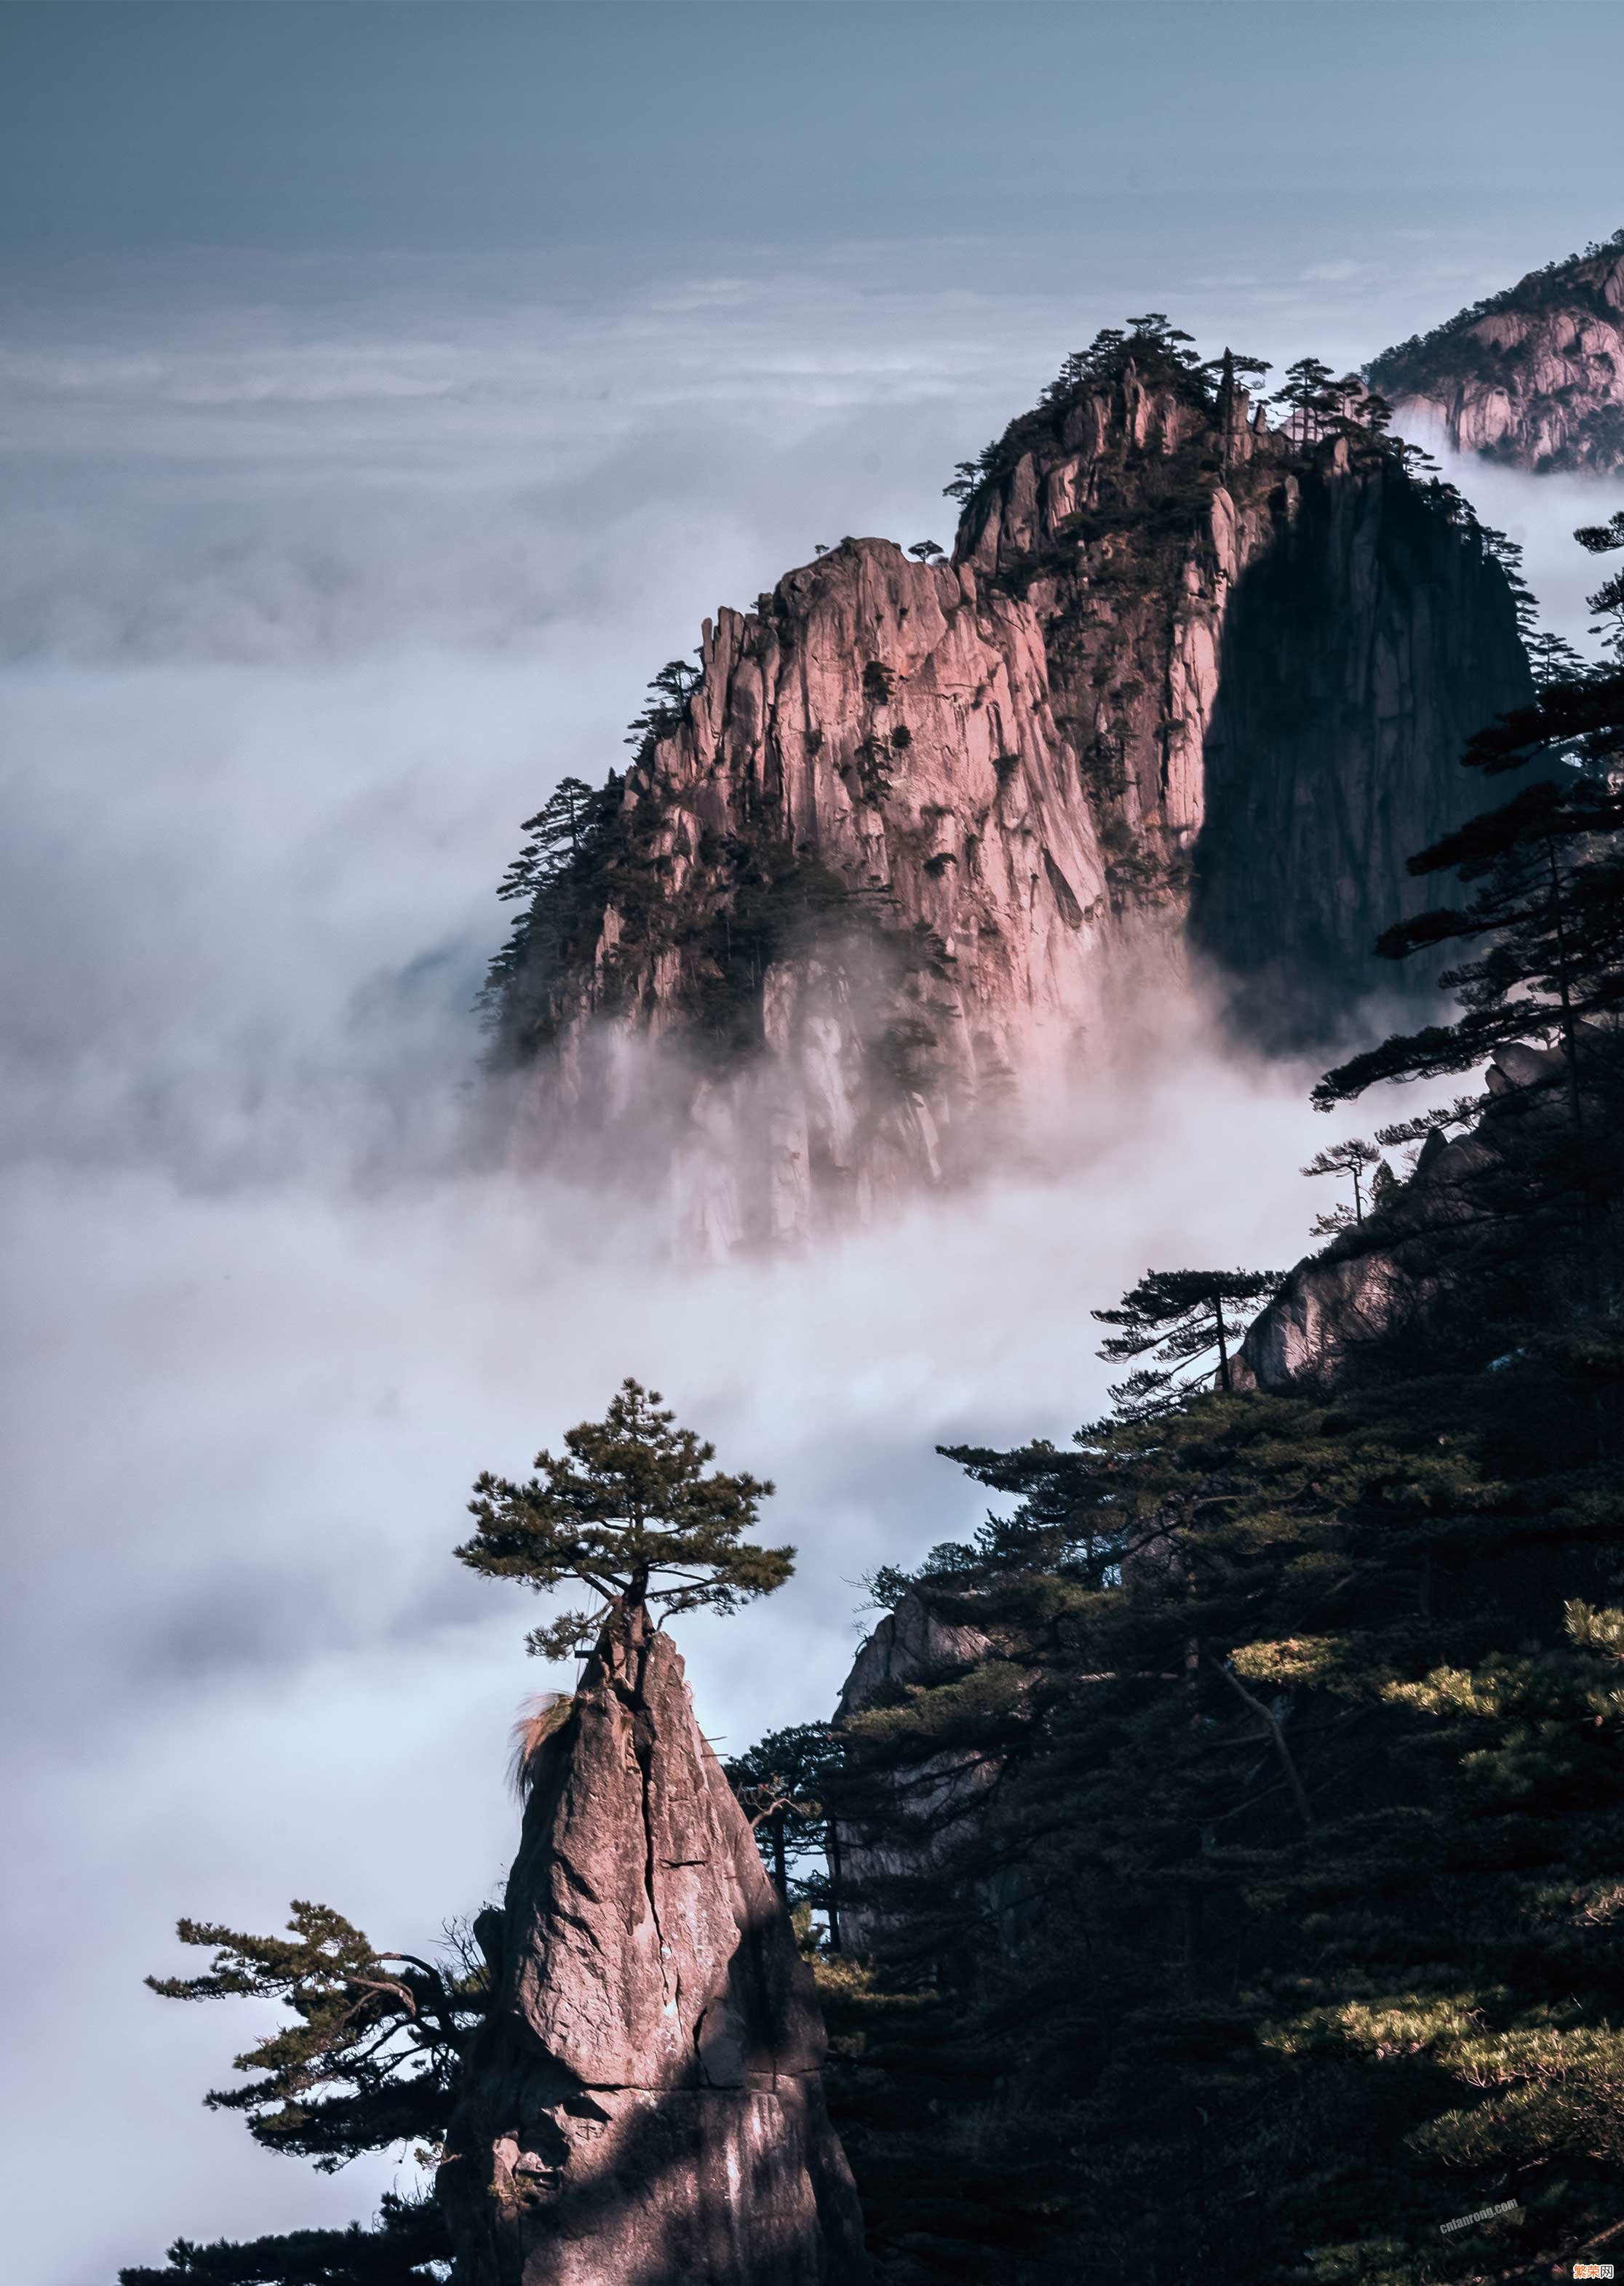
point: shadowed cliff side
(907, 1644)
(1394, 1273)
(1356, 653)
(646, 2107)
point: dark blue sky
(344, 125)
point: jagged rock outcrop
(646, 2107)
(906, 1646)
(1533, 376)
(897, 863)
(1389, 1272)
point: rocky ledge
(1389, 1274)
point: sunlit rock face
(1534, 377)
(926, 832)
(646, 2108)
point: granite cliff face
(1533, 376)
(646, 2104)
(893, 866)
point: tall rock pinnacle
(646, 2108)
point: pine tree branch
(1298, 1794)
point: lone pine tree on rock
(1354, 1159)
(644, 2104)
(629, 1510)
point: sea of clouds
(314, 585)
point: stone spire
(646, 2107)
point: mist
(312, 589)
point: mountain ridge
(886, 867)
(1532, 376)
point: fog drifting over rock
(309, 594)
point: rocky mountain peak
(1532, 377)
(885, 871)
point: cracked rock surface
(646, 2108)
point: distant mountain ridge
(1532, 377)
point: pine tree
(1354, 1159)
(373, 2053)
(1312, 398)
(1550, 915)
(1181, 1318)
(1602, 539)
(628, 1510)
(368, 2059)
(408, 2246)
(562, 873)
(780, 1783)
(556, 833)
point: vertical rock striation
(646, 2108)
(893, 869)
(1533, 376)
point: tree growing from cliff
(1545, 921)
(1354, 1160)
(368, 2059)
(630, 1510)
(669, 692)
(1180, 1319)
(780, 1783)
(371, 2056)
(560, 873)
(1547, 914)
(1601, 539)
(1552, 659)
(556, 833)
(1311, 397)
(1234, 366)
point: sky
(387, 392)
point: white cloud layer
(309, 596)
